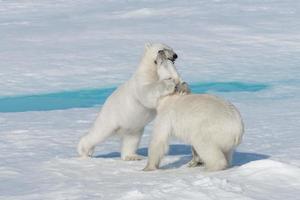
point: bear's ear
(147, 45)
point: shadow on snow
(239, 158)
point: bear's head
(152, 49)
(166, 68)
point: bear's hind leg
(158, 145)
(196, 160)
(88, 142)
(130, 145)
(212, 157)
(228, 156)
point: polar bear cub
(132, 105)
(210, 124)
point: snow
(53, 47)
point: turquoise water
(90, 97)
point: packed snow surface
(59, 59)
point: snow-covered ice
(52, 47)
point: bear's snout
(175, 56)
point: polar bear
(132, 105)
(210, 124)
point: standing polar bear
(132, 105)
(211, 125)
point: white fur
(211, 125)
(131, 106)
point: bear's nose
(175, 56)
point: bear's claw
(133, 158)
(194, 163)
(183, 88)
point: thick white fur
(210, 124)
(131, 106)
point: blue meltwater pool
(90, 97)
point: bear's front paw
(183, 88)
(170, 86)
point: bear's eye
(155, 62)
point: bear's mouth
(172, 59)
